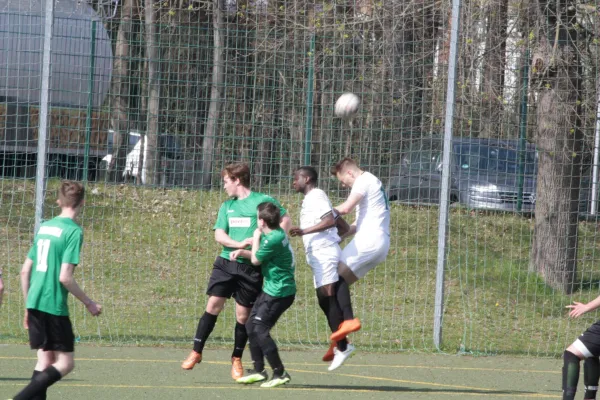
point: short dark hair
(310, 172)
(269, 213)
(71, 194)
(239, 171)
(342, 165)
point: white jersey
(315, 205)
(373, 211)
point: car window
(424, 160)
(505, 160)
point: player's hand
(234, 255)
(94, 308)
(296, 231)
(577, 309)
(26, 320)
(245, 243)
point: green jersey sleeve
(222, 221)
(73, 248)
(266, 250)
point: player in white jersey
(371, 230)
(321, 244)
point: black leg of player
(591, 376)
(570, 375)
(333, 312)
(39, 384)
(256, 353)
(205, 327)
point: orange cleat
(191, 360)
(237, 371)
(346, 327)
(329, 355)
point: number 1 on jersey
(43, 247)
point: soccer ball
(347, 105)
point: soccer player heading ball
(237, 278)
(371, 230)
(46, 280)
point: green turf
(142, 373)
(148, 254)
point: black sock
(275, 363)
(591, 376)
(342, 293)
(41, 396)
(570, 375)
(205, 327)
(240, 340)
(39, 383)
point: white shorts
(363, 253)
(324, 264)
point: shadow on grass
(400, 389)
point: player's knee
(65, 366)
(215, 305)
(570, 357)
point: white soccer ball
(347, 106)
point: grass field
(153, 374)
(148, 254)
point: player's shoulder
(259, 197)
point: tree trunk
(119, 119)
(151, 156)
(559, 139)
(218, 77)
(493, 73)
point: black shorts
(591, 339)
(50, 332)
(268, 309)
(231, 278)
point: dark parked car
(485, 174)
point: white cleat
(340, 357)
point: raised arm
(224, 240)
(350, 204)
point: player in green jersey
(237, 278)
(46, 280)
(271, 251)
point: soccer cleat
(237, 371)
(329, 355)
(252, 377)
(277, 380)
(340, 357)
(346, 327)
(191, 360)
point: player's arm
(224, 240)
(67, 279)
(286, 223)
(327, 221)
(578, 309)
(25, 277)
(350, 204)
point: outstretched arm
(578, 309)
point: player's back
(57, 241)
(372, 212)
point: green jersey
(238, 219)
(57, 242)
(277, 264)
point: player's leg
(324, 264)
(258, 373)
(264, 321)
(55, 355)
(248, 286)
(587, 346)
(591, 376)
(220, 287)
